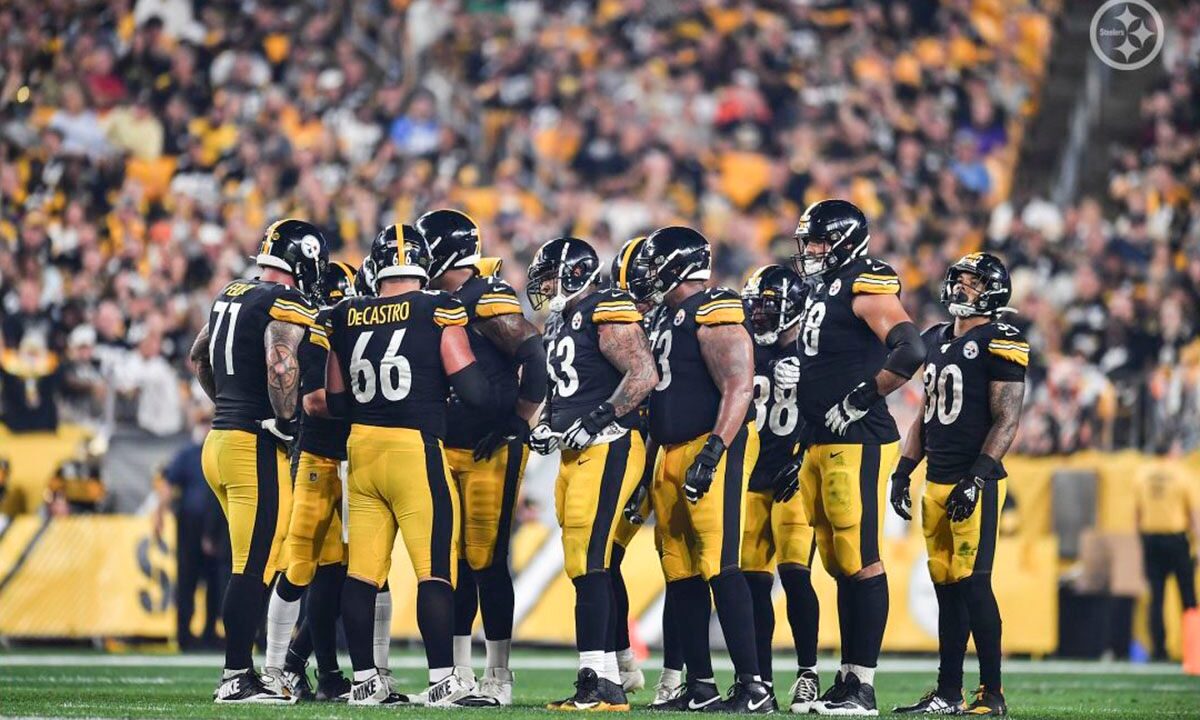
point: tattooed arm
(204, 371)
(520, 340)
(729, 356)
(626, 347)
(283, 367)
(1004, 399)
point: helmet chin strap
(558, 303)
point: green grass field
(148, 686)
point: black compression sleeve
(531, 357)
(907, 350)
(338, 404)
(471, 384)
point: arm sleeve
(472, 385)
(531, 358)
(313, 352)
(721, 307)
(907, 350)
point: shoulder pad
(720, 306)
(874, 277)
(614, 306)
(1008, 343)
(291, 306)
(448, 311)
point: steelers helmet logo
(577, 321)
(835, 287)
(679, 317)
(310, 246)
(970, 350)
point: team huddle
(752, 427)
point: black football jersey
(777, 416)
(484, 297)
(581, 378)
(684, 403)
(838, 350)
(957, 373)
(389, 349)
(237, 325)
(320, 436)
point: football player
(857, 345)
(637, 510)
(392, 362)
(314, 550)
(777, 529)
(701, 416)
(974, 385)
(246, 361)
(487, 454)
(601, 371)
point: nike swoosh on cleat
(693, 706)
(755, 706)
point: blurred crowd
(145, 144)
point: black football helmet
(561, 270)
(670, 256)
(995, 284)
(774, 295)
(397, 252)
(453, 239)
(299, 249)
(839, 225)
(339, 282)
(623, 264)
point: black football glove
(901, 498)
(581, 432)
(787, 480)
(699, 476)
(512, 428)
(853, 407)
(965, 495)
(633, 506)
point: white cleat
(632, 678)
(497, 683)
(466, 674)
(248, 688)
(665, 692)
(454, 691)
(805, 692)
(375, 691)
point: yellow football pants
(704, 538)
(488, 491)
(249, 474)
(775, 533)
(958, 550)
(399, 480)
(592, 488)
(844, 489)
(314, 535)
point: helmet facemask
(956, 293)
(771, 315)
(557, 284)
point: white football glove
(279, 428)
(787, 373)
(543, 440)
(852, 408)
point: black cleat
(697, 696)
(987, 702)
(332, 686)
(592, 693)
(852, 698)
(804, 692)
(746, 698)
(931, 703)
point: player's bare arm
(314, 403)
(729, 356)
(283, 366)
(888, 320)
(1004, 400)
(626, 347)
(519, 339)
(204, 371)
